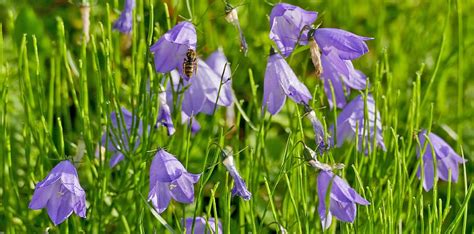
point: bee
(190, 63)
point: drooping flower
(119, 136)
(170, 50)
(125, 21)
(61, 193)
(342, 199)
(331, 49)
(446, 159)
(338, 48)
(169, 179)
(287, 26)
(240, 188)
(164, 113)
(280, 81)
(203, 93)
(202, 226)
(232, 17)
(351, 121)
(206, 91)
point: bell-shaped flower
(170, 50)
(202, 226)
(164, 113)
(240, 188)
(446, 160)
(120, 134)
(351, 121)
(125, 21)
(343, 77)
(61, 193)
(280, 81)
(204, 92)
(287, 26)
(342, 199)
(338, 48)
(169, 179)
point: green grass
(57, 91)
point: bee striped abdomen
(190, 63)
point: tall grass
(57, 92)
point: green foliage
(57, 92)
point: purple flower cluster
(332, 52)
(291, 25)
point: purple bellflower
(342, 199)
(331, 49)
(61, 193)
(164, 113)
(446, 159)
(170, 50)
(287, 26)
(201, 226)
(351, 121)
(169, 179)
(119, 144)
(204, 91)
(338, 48)
(240, 188)
(280, 81)
(125, 21)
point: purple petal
(59, 206)
(42, 195)
(278, 71)
(164, 114)
(116, 158)
(217, 61)
(347, 45)
(273, 95)
(200, 225)
(159, 196)
(125, 21)
(286, 26)
(182, 189)
(170, 50)
(165, 168)
(333, 69)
